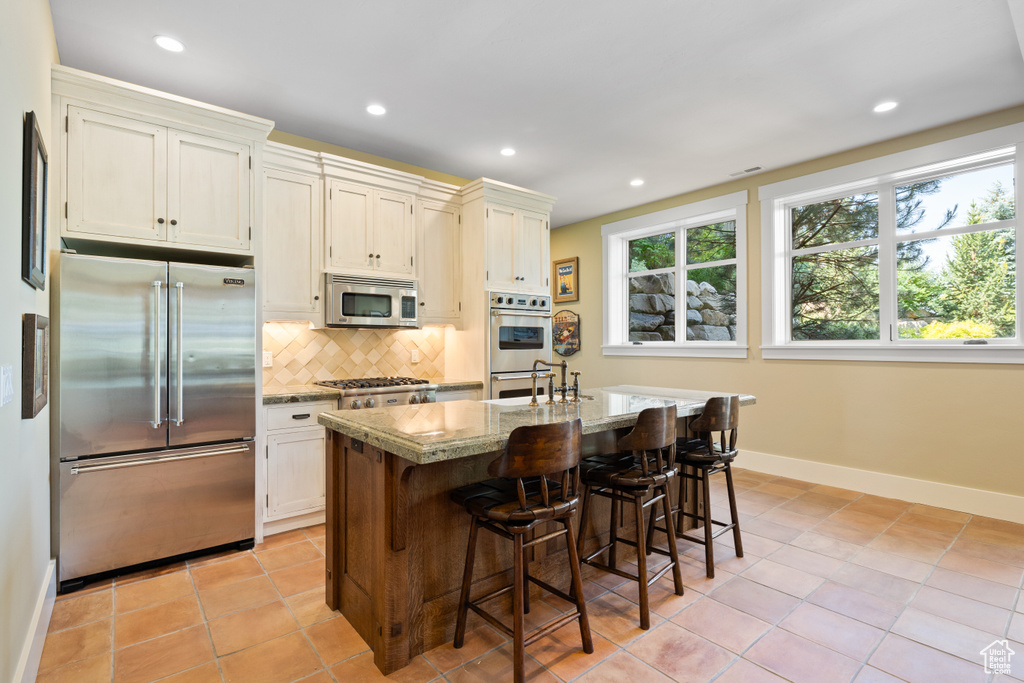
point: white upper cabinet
(292, 234)
(532, 250)
(500, 238)
(439, 231)
(350, 230)
(146, 168)
(393, 237)
(208, 191)
(116, 176)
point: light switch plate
(268, 359)
(415, 355)
(6, 384)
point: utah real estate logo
(997, 657)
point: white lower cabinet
(295, 460)
(467, 395)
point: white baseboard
(278, 526)
(32, 651)
(949, 496)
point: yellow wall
(317, 146)
(27, 47)
(953, 423)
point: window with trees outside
(912, 264)
(674, 281)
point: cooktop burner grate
(372, 382)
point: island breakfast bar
(396, 543)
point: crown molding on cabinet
(507, 194)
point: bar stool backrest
(541, 451)
(655, 430)
(721, 414)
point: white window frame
(882, 174)
(615, 239)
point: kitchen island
(396, 543)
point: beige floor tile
(799, 660)
(790, 519)
(315, 531)
(976, 614)
(913, 550)
(478, 641)
(81, 609)
(996, 532)
(335, 640)
(783, 578)
(723, 625)
(890, 563)
(75, 644)
(281, 539)
(661, 595)
(941, 513)
(877, 583)
(836, 492)
(299, 578)
(771, 530)
(886, 508)
(982, 568)
(808, 509)
(943, 634)
(157, 620)
(562, 653)
(806, 561)
(310, 607)
(936, 539)
(870, 674)
(755, 599)
(857, 604)
(235, 597)
(918, 663)
(228, 571)
(93, 670)
(824, 544)
(361, 669)
(972, 587)
(985, 551)
(253, 626)
(496, 665)
(743, 671)
(844, 532)
(680, 653)
(283, 659)
(288, 555)
(204, 673)
(931, 523)
(850, 637)
(152, 591)
(617, 619)
(623, 666)
(161, 657)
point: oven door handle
(518, 314)
(520, 375)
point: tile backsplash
(302, 355)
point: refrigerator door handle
(180, 397)
(83, 469)
(157, 375)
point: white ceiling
(592, 93)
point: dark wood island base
(396, 545)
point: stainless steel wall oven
(518, 334)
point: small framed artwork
(33, 205)
(565, 278)
(35, 364)
(565, 333)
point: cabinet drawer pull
(303, 416)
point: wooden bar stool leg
(577, 587)
(467, 580)
(709, 545)
(641, 563)
(613, 530)
(682, 501)
(651, 522)
(526, 580)
(732, 511)
(673, 551)
(584, 509)
(518, 616)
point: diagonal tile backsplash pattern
(302, 355)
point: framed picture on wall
(35, 364)
(33, 205)
(565, 280)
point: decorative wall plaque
(565, 333)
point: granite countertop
(300, 393)
(457, 429)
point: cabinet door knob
(378, 255)
(160, 221)
(423, 303)
(371, 255)
(174, 222)
(316, 298)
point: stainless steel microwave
(354, 301)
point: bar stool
(706, 457)
(539, 483)
(645, 463)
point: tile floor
(834, 586)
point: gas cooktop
(372, 382)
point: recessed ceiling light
(885, 106)
(376, 110)
(636, 182)
(508, 152)
(169, 44)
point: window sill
(676, 350)
(902, 354)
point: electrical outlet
(6, 384)
(415, 355)
(268, 359)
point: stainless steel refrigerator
(155, 411)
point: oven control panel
(513, 301)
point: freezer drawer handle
(157, 420)
(82, 469)
(180, 398)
